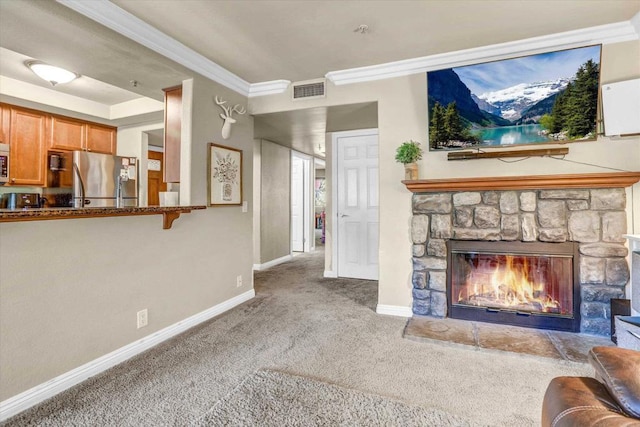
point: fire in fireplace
(525, 284)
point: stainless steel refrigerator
(103, 180)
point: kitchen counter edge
(170, 213)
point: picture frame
(225, 175)
(544, 98)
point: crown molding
(603, 34)
(111, 16)
(108, 14)
(268, 88)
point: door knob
(343, 215)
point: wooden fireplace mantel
(526, 182)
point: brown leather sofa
(611, 399)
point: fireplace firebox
(519, 283)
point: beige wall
(70, 289)
(402, 115)
(275, 222)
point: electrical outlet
(143, 318)
(238, 281)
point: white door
(357, 204)
(297, 204)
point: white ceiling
(293, 40)
(265, 40)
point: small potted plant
(408, 153)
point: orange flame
(509, 286)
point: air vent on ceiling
(309, 89)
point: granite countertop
(170, 213)
(70, 212)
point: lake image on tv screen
(549, 97)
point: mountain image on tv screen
(543, 98)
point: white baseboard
(394, 310)
(330, 274)
(274, 262)
(39, 393)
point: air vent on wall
(309, 89)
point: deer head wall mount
(228, 112)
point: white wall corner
(330, 274)
(186, 132)
(635, 23)
(44, 391)
(394, 310)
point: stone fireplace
(587, 212)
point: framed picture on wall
(225, 175)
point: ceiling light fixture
(362, 29)
(54, 75)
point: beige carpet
(305, 325)
(277, 399)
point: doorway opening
(155, 166)
(320, 202)
(301, 202)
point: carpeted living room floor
(323, 329)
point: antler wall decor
(228, 112)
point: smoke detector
(362, 29)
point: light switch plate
(245, 206)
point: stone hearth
(558, 345)
(594, 218)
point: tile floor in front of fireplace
(569, 346)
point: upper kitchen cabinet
(71, 134)
(66, 134)
(27, 147)
(172, 133)
(100, 139)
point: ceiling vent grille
(310, 89)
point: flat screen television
(544, 98)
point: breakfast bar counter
(169, 213)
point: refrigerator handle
(77, 171)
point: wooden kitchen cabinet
(71, 134)
(27, 147)
(100, 139)
(30, 133)
(5, 120)
(66, 134)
